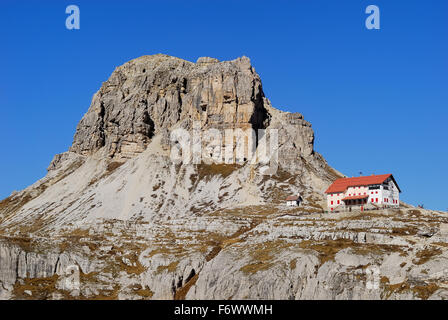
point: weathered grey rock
(347, 258)
(152, 93)
(64, 157)
(17, 263)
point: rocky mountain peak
(136, 225)
(154, 93)
(206, 60)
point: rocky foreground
(115, 218)
(246, 253)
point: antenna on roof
(360, 173)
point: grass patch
(425, 255)
(170, 268)
(143, 292)
(292, 264)
(40, 288)
(175, 250)
(25, 243)
(13, 203)
(107, 294)
(328, 249)
(112, 166)
(255, 267)
(404, 231)
(213, 253)
(415, 212)
(442, 244)
(206, 171)
(422, 291)
(426, 290)
(181, 293)
(263, 254)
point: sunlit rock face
(152, 93)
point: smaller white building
(360, 193)
(292, 201)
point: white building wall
(392, 194)
(378, 195)
(357, 191)
(334, 200)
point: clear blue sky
(377, 99)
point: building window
(376, 200)
(372, 199)
(331, 202)
(339, 202)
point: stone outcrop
(18, 265)
(152, 93)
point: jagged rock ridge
(154, 93)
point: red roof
(292, 198)
(340, 185)
(356, 197)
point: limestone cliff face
(149, 96)
(153, 93)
